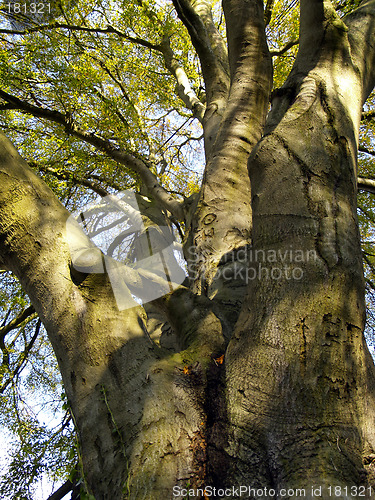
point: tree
(254, 371)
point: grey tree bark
(267, 380)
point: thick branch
(363, 149)
(366, 184)
(62, 491)
(285, 48)
(35, 245)
(323, 40)
(368, 115)
(240, 129)
(117, 154)
(17, 321)
(316, 17)
(196, 16)
(185, 91)
(32, 225)
(325, 59)
(214, 68)
(245, 25)
(203, 9)
(251, 71)
(107, 30)
(361, 24)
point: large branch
(117, 154)
(315, 14)
(251, 71)
(226, 184)
(71, 27)
(32, 243)
(285, 48)
(17, 321)
(335, 56)
(361, 24)
(204, 10)
(339, 43)
(197, 18)
(185, 92)
(245, 26)
(366, 184)
(62, 491)
(35, 245)
(363, 149)
(322, 35)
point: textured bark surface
(246, 375)
(304, 367)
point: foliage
(30, 388)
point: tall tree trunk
(299, 375)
